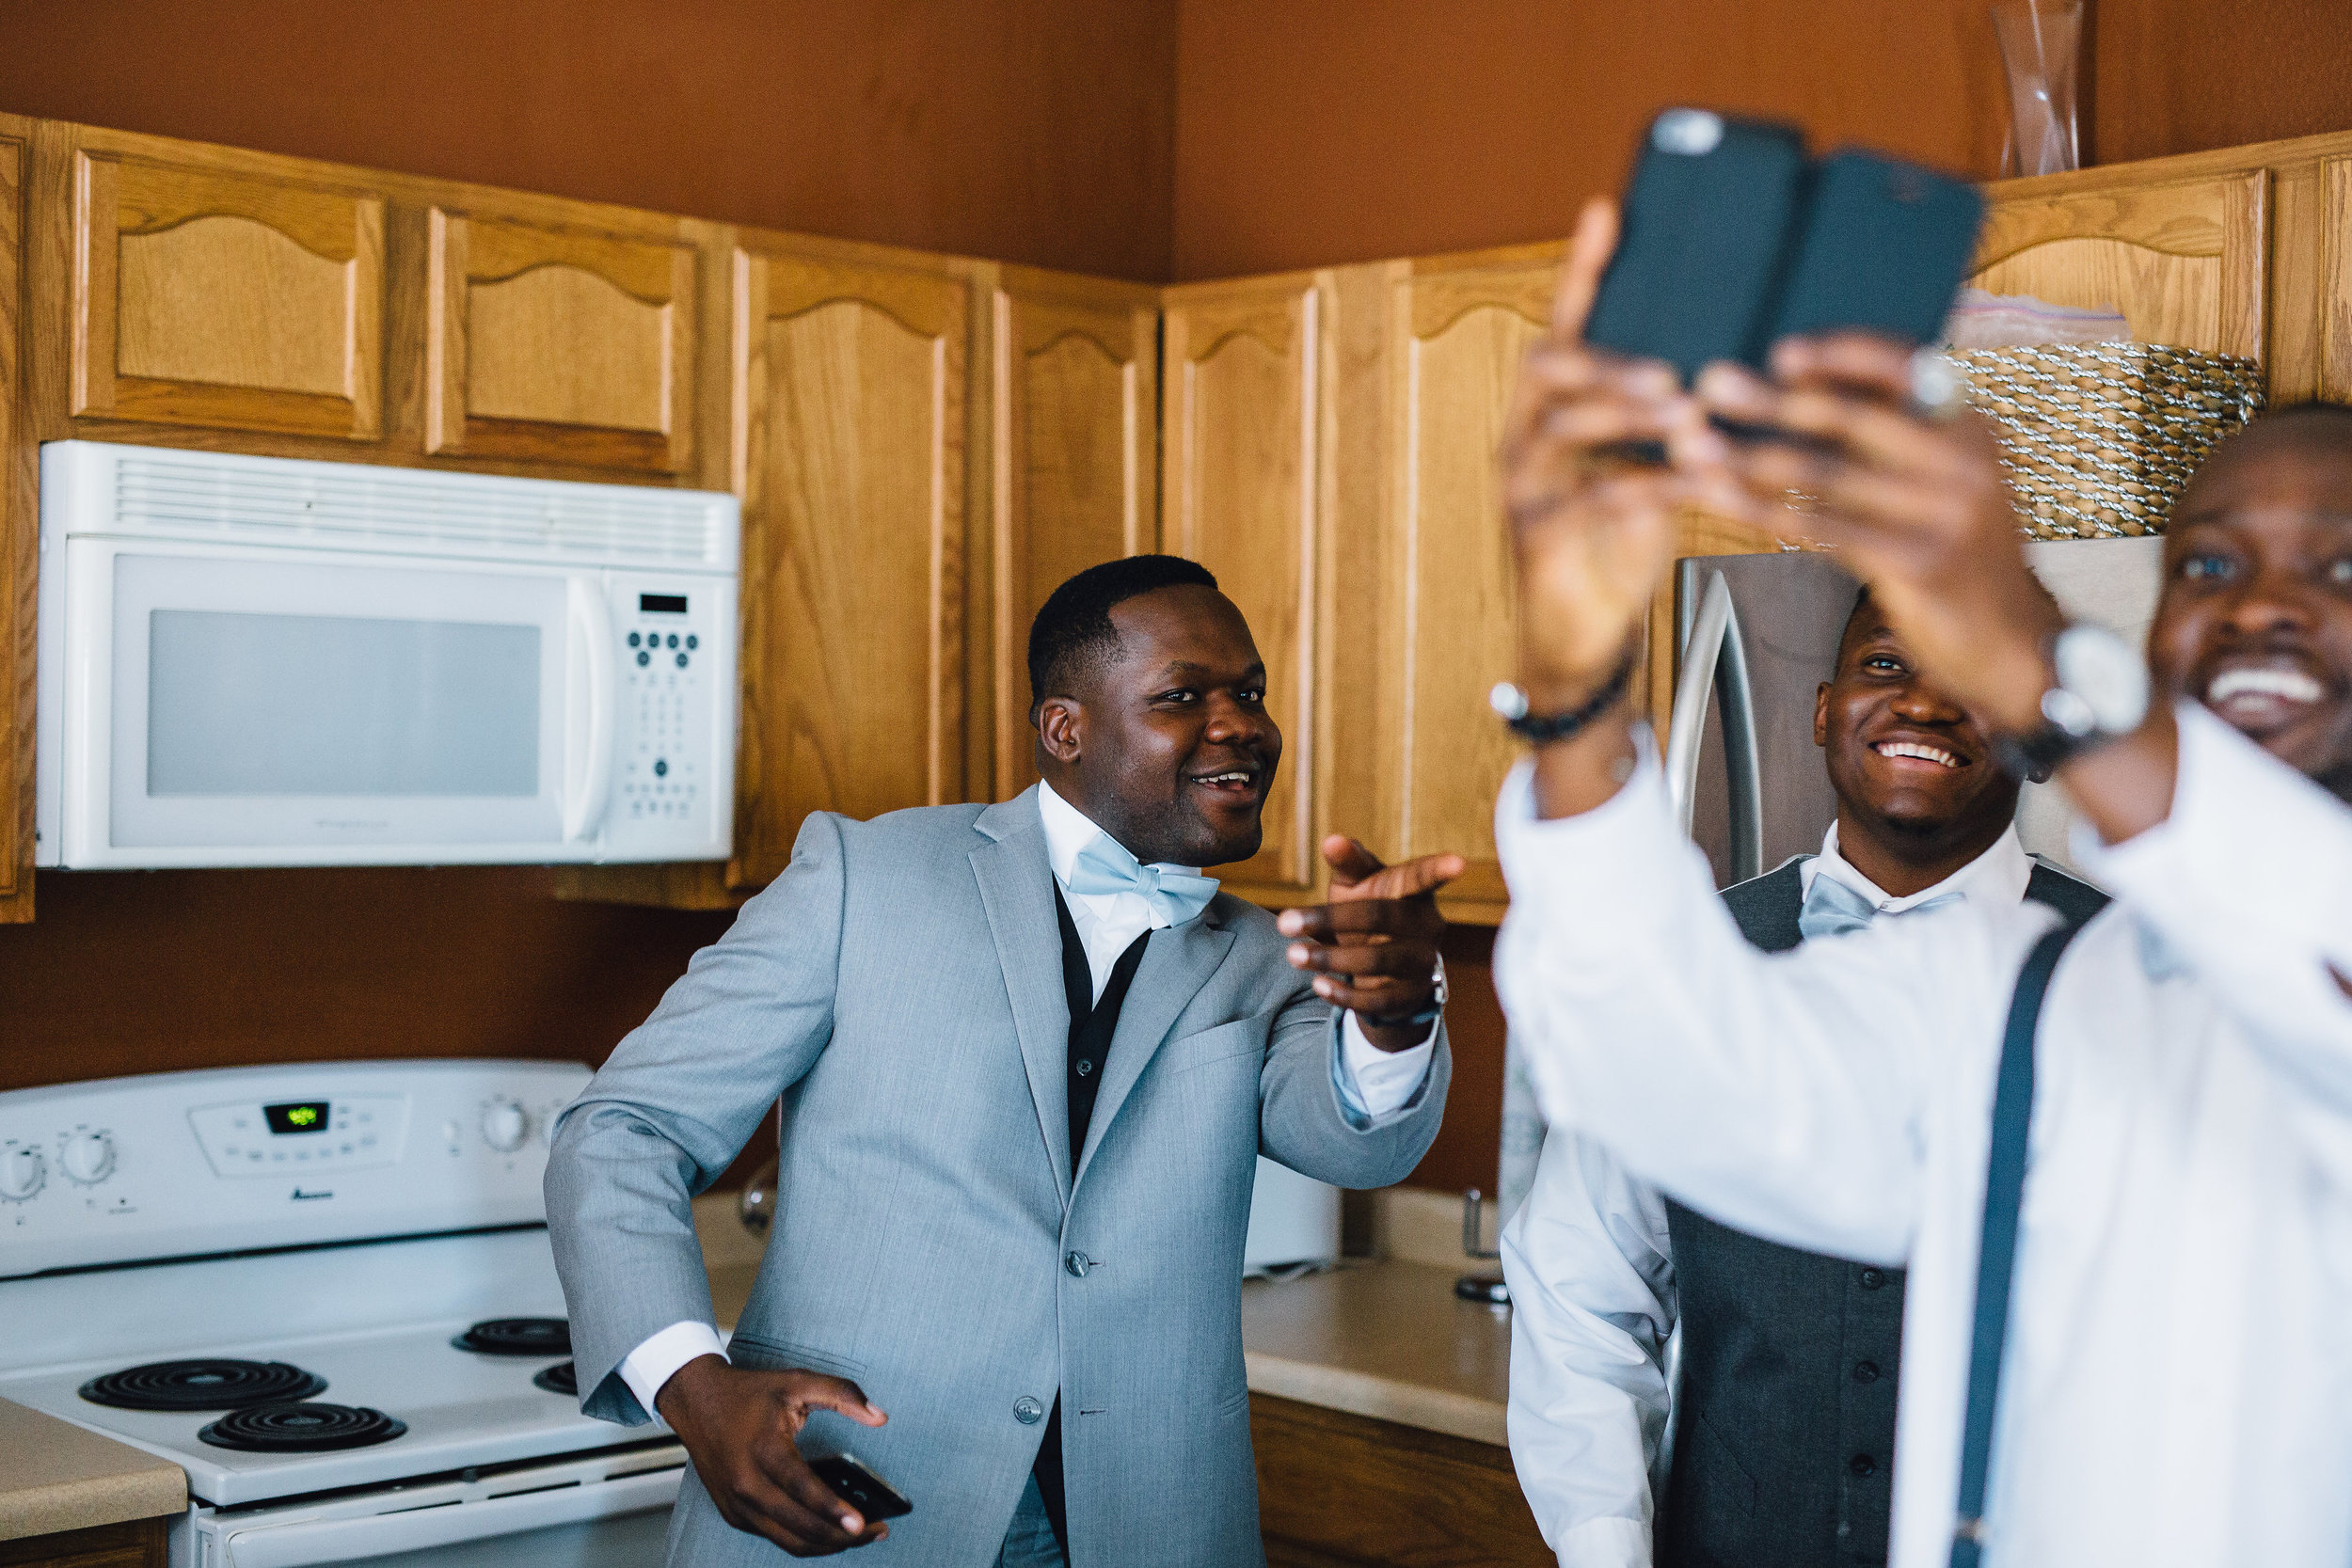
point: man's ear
(1060, 726)
(1820, 716)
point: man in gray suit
(1028, 1058)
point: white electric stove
(325, 1292)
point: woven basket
(2098, 438)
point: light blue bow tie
(2157, 959)
(1832, 908)
(1105, 866)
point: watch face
(2106, 675)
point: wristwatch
(1427, 1015)
(2101, 694)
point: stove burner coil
(517, 1337)
(301, 1428)
(203, 1386)
(562, 1378)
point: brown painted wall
(1035, 130)
(1309, 132)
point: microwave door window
(270, 710)
(274, 705)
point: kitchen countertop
(56, 1476)
(1390, 1340)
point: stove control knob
(504, 1126)
(87, 1158)
(22, 1172)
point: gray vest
(1785, 1419)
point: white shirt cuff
(1375, 1082)
(653, 1363)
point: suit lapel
(1176, 964)
(1017, 891)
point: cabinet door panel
(233, 300)
(1076, 378)
(2184, 262)
(561, 346)
(2335, 280)
(19, 532)
(853, 488)
(1240, 487)
(1463, 337)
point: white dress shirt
(2178, 1372)
(1372, 1085)
(1594, 1299)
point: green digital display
(301, 1116)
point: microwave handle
(299, 1545)
(592, 613)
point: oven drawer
(441, 1520)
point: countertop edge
(1378, 1397)
(72, 1505)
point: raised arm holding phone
(2177, 1367)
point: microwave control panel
(672, 765)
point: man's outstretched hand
(739, 1425)
(1373, 947)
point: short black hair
(1074, 628)
(1861, 602)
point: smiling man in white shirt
(2173, 1347)
(1784, 1412)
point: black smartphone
(1883, 247)
(861, 1488)
(1709, 224)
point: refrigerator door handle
(1714, 650)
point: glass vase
(2041, 49)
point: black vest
(1785, 1419)
(1093, 1022)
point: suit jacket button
(1872, 1279)
(1077, 1263)
(1027, 1411)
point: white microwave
(258, 661)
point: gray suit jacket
(900, 987)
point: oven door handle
(300, 1545)
(592, 617)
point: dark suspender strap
(1996, 1256)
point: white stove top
(462, 1409)
(361, 1269)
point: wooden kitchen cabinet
(138, 1543)
(1073, 371)
(19, 544)
(1242, 481)
(1337, 1490)
(2184, 260)
(558, 342)
(224, 289)
(1456, 332)
(850, 369)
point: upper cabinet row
(217, 291)
(925, 446)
